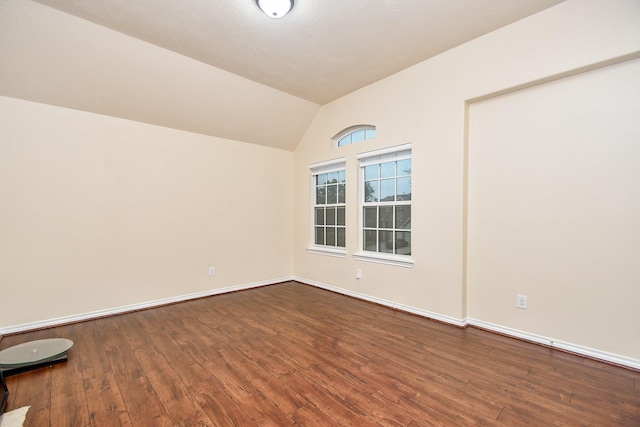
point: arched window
(354, 134)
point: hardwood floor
(291, 354)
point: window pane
(372, 172)
(329, 188)
(331, 236)
(357, 136)
(386, 241)
(341, 193)
(341, 216)
(388, 169)
(370, 217)
(404, 167)
(331, 216)
(404, 188)
(332, 194)
(387, 194)
(403, 217)
(370, 241)
(386, 217)
(319, 216)
(387, 190)
(346, 140)
(340, 238)
(371, 191)
(321, 195)
(403, 243)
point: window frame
(396, 153)
(316, 169)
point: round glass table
(34, 354)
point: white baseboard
(391, 304)
(560, 345)
(133, 307)
(525, 336)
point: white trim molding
(133, 307)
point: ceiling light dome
(275, 8)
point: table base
(7, 372)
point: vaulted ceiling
(321, 51)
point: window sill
(334, 252)
(399, 261)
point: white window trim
(328, 166)
(315, 169)
(398, 152)
(377, 155)
(321, 250)
(388, 259)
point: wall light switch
(212, 271)
(521, 301)
(358, 274)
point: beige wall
(554, 209)
(99, 212)
(426, 105)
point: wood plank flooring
(291, 354)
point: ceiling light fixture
(275, 8)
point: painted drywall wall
(426, 105)
(55, 58)
(554, 203)
(99, 212)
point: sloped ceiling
(238, 74)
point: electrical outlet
(521, 301)
(358, 274)
(212, 271)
